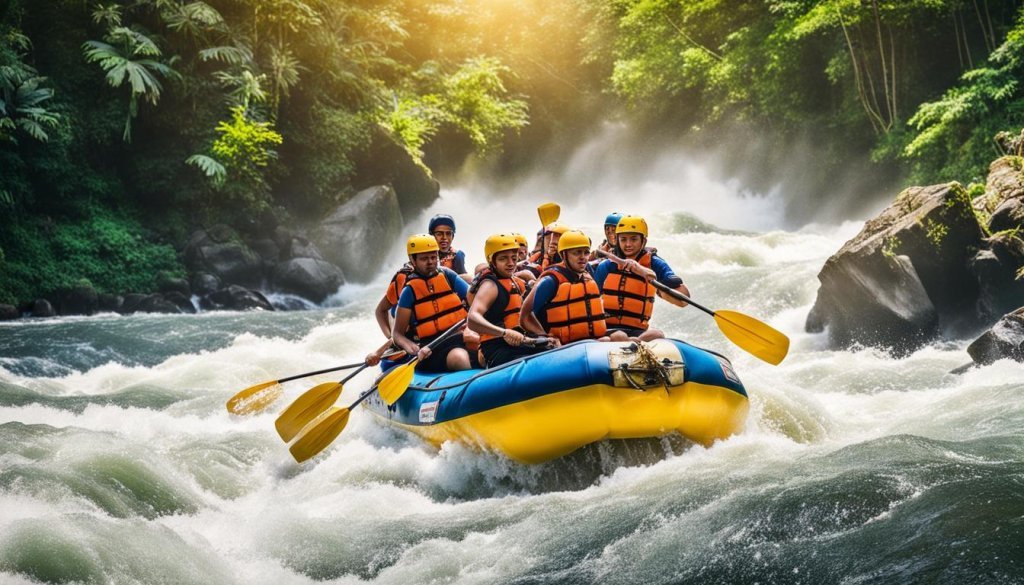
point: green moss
(889, 246)
(1016, 162)
(935, 232)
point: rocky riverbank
(229, 270)
(939, 263)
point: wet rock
(174, 284)
(997, 268)
(220, 252)
(1008, 216)
(156, 303)
(204, 283)
(1004, 340)
(182, 302)
(9, 312)
(79, 300)
(110, 303)
(268, 251)
(308, 277)
(302, 248)
(237, 298)
(358, 235)
(42, 308)
(131, 303)
(906, 276)
(1003, 200)
(1004, 182)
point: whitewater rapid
(119, 463)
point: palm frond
(229, 55)
(209, 166)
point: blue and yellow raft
(550, 404)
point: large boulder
(302, 248)
(219, 251)
(997, 268)
(385, 162)
(357, 235)
(9, 312)
(308, 277)
(42, 308)
(1003, 200)
(1004, 340)
(906, 276)
(204, 283)
(110, 303)
(157, 303)
(237, 298)
(82, 299)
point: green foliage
(952, 136)
(129, 56)
(473, 100)
(212, 169)
(110, 250)
(476, 102)
(22, 94)
(239, 155)
(322, 157)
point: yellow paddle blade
(548, 213)
(755, 337)
(306, 408)
(395, 383)
(255, 398)
(319, 434)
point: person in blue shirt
(565, 303)
(432, 301)
(625, 283)
(442, 227)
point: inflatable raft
(550, 404)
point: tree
(128, 55)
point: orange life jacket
(576, 311)
(505, 310)
(447, 259)
(436, 307)
(628, 298)
(398, 283)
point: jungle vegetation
(124, 124)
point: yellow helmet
(421, 243)
(573, 239)
(499, 243)
(520, 239)
(556, 227)
(632, 224)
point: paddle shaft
(308, 374)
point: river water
(119, 463)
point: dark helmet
(441, 219)
(612, 219)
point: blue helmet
(441, 219)
(612, 219)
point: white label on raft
(428, 412)
(730, 374)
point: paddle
(394, 384)
(318, 434)
(312, 402)
(548, 213)
(256, 398)
(323, 430)
(756, 338)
